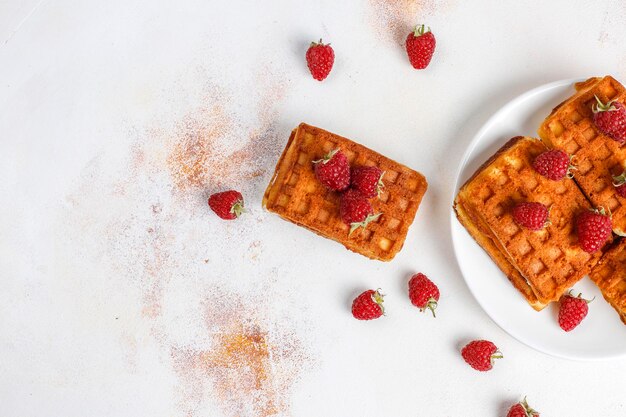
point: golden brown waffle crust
(295, 194)
(570, 127)
(508, 145)
(610, 276)
(490, 246)
(483, 237)
(547, 262)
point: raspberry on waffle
(597, 157)
(541, 264)
(297, 196)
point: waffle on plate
(542, 264)
(610, 276)
(295, 194)
(597, 157)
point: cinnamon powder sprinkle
(194, 160)
(241, 368)
(212, 150)
(250, 369)
(394, 19)
(241, 355)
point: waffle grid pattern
(296, 195)
(610, 276)
(597, 157)
(550, 259)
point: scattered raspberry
(610, 119)
(533, 216)
(554, 165)
(355, 210)
(522, 409)
(228, 205)
(368, 305)
(619, 181)
(420, 46)
(320, 59)
(480, 354)
(423, 293)
(333, 170)
(367, 180)
(572, 311)
(594, 229)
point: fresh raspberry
(367, 180)
(522, 409)
(355, 210)
(368, 305)
(420, 46)
(228, 205)
(480, 354)
(333, 170)
(594, 229)
(619, 182)
(610, 119)
(423, 293)
(572, 311)
(533, 216)
(320, 59)
(554, 165)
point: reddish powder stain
(207, 150)
(252, 362)
(249, 368)
(240, 367)
(211, 151)
(244, 348)
(254, 250)
(154, 261)
(394, 19)
(194, 160)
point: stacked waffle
(610, 276)
(597, 157)
(295, 194)
(543, 264)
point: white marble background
(122, 294)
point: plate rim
(485, 127)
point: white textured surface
(108, 268)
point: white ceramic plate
(601, 335)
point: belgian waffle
(543, 264)
(295, 194)
(597, 157)
(610, 275)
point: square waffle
(610, 275)
(597, 157)
(542, 264)
(295, 194)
